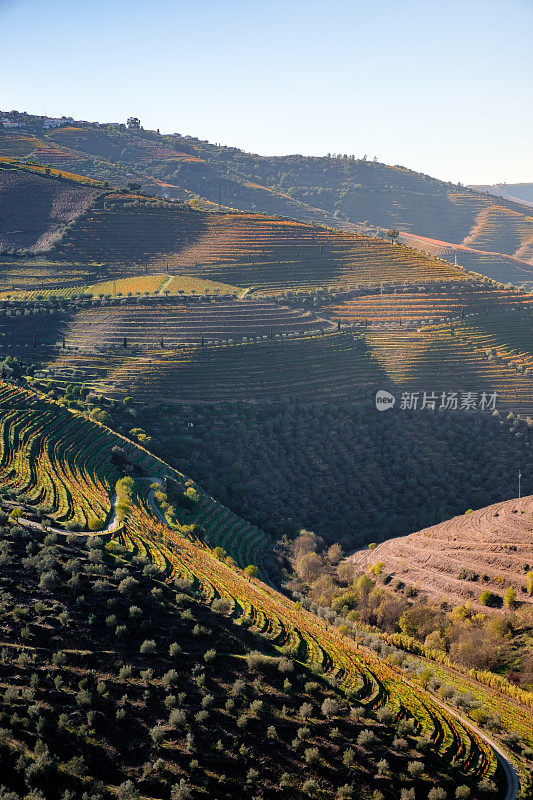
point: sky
(441, 87)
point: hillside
(456, 561)
(518, 192)
(111, 673)
(34, 211)
(334, 190)
(144, 296)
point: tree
(419, 620)
(133, 123)
(509, 598)
(415, 769)
(181, 790)
(334, 553)
(251, 571)
(329, 707)
(393, 234)
(366, 737)
(312, 756)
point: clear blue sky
(442, 87)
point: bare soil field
(490, 549)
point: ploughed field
(458, 559)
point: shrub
(49, 580)
(487, 786)
(251, 571)
(344, 792)
(148, 646)
(157, 734)
(462, 792)
(256, 660)
(222, 605)
(285, 665)
(385, 715)
(509, 598)
(437, 793)
(383, 766)
(170, 678)
(490, 599)
(83, 698)
(348, 758)
(128, 585)
(238, 687)
(256, 707)
(310, 787)
(252, 776)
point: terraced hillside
(457, 560)
(155, 342)
(499, 267)
(243, 250)
(357, 189)
(333, 654)
(443, 362)
(316, 367)
(412, 305)
(149, 323)
(60, 463)
(332, 190)
(313, 367)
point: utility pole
(519, 486)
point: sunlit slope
(61, 463)
(458, 559)
(445, 359)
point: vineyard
(57, 457)
(315, 367)
(241, 250)
(498, 266)
(415, 305)
(434, 359)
